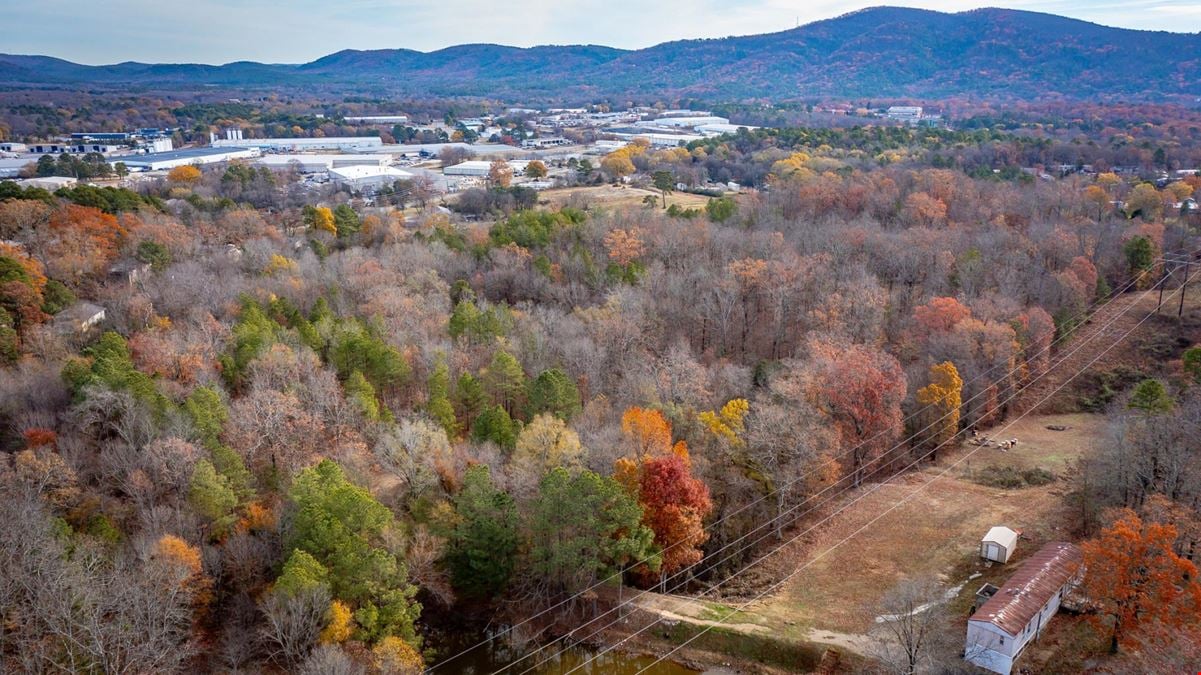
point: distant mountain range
(885, 52)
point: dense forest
(310, 428)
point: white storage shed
(998, 544)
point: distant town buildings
(909, 114)
(377, 119)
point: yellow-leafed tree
(394, 656)
(727, 423)
(184, 174)
(942, 398)
(339, 623)
(323, 219)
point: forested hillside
(885, 52)
(309, 428)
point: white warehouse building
(316, 163)
(481, 168)
(684, 122)
(377, 119)
(158, 161)
(298, 144)
(359, 177)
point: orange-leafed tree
(1135, 579)
(184, 174)
(36, 437)
(85, 242)
(22, 282)
(625, 246)
(500, 174)
(184, 567)
(647, 430)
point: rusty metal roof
(1038, 579)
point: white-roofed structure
(158, 161)
(359, 177)
(659, 139)
(316, 163)
(377, 119)
(998, 544)
(50, 183)
(719, 129)
(684, 121)
(481, 168)
(299, 144)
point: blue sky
(295, 31)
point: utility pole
(1163, 281)
(1177, 260)
(1183, 287)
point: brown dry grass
(611, 196)
(932, 534)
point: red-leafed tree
(674, 505)
(862, 390)
(1039, 333)
(1135, 579)
(939, 315)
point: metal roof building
(315, 163)
(377, 119)
(296, 144)
(479, 167)
(367, 176)
(158, 161)
(1017, 613)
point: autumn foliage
(647, 430)
(85, 242)
(862, 390)
(1136, 579)
(942, 398)
(674, 504)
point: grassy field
(934, 532)
(610, 196)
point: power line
(770, 523)
(1095, 306)
(892, 508)
(858, 498)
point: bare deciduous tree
(293, 623)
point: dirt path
(701, 613)
(698, 612)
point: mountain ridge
(881, 52)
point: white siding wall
(983, 646)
